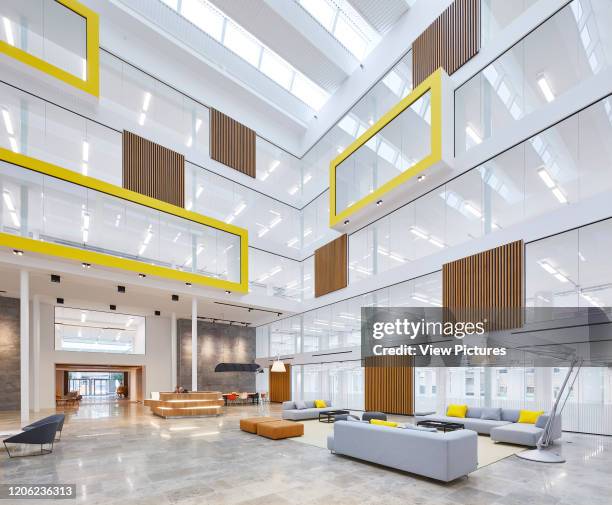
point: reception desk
(196, 404)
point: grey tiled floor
(121, 454)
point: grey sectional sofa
(291, 412)
(505, 428)
(441, 456)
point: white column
(36, 350)
(194, 344)
(173, 351)
(24, 332)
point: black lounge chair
(59, 418)
(43, 434)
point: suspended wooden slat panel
(389, 384)
(280, 385)
(153, 170)
(331, 266)
(232, 143)
(449, 42)
(488, 284)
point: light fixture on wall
(278, 366)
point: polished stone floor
(118, 453)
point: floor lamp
(544, 453)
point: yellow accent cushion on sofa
(529, 416)
(320, 404)
(456, 410)
(383, 423)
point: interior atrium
(234, 235)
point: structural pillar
(36, 351)
(173, 349)
(194, 344)
(24, 344)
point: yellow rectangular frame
(92, 83)
(107, 260)
(434, 84)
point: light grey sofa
(291, 412)
(505, 429)
(440, 456)
(526, 434)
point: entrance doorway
(97, 384)
(100, 383)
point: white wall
(156, 360)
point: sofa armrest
(330, 441)
(556, 428)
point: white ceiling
(89, 290)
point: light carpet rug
(315, 433)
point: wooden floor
(121, 454)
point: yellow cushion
(529, 416)
(456, 410)
(320, 404)
(383, 423)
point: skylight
(340, 19)
(226, 31)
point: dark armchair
(43, 434)
(59, 418)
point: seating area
(300, 410)
(513, 426)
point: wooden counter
(196, 404)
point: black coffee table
(440, 425)
(329, 416)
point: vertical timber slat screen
(389, 384)
(232, 143)
(449, 42)
(153, 170)
(489, 283)
(331, 266)
(280, 385)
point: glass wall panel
(42, 207)
(48, 30)
(393, 150)
(341, 383)
(533, 72)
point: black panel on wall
(9, 354)
(217, 343)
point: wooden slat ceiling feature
(488, 285)
(331, 266)
(153, 170)
(280, 385)
(389, 385)
(449, 42)
(232, 143)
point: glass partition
(533, 72)
(395, 148)
(43, 208)
(44, 131)
(48, 30)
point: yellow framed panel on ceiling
(108, 260)
(91, 84)
(433, 85)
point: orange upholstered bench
(280, 429)
(249, 424)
